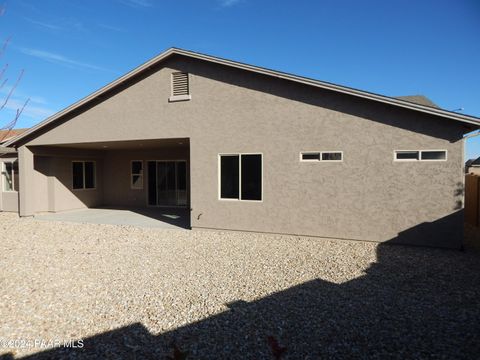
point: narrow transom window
(407, 155)
(331, 156)
(434, 155)
(83, 175)
(421, 155)
(311, 156)
(241, 177)
(180, 87)
(334, 156)
(136, 178)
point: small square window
(83, 175)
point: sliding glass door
(167, 183)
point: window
(241, 177)
(83, 175)
(180, 87)
(332, 156)
(421, 155)
(407, 155)
(136, 179)
(434, 155)
(311, 156)
(10, 176)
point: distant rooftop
(418, 99)
(9, 134)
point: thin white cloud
(20, 94)
(137, 3)
(43, 24)
(32, 111)
(228, 3)
(60, 59)
(110, 27)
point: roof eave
(320, 84)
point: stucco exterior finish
(52, 181)
(368, 196)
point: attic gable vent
(180, 87)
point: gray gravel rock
(136, 293)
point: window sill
(179, 98)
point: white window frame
(4, 170)
(239, 176)
(419, 155)
(83, 173)
(141, 175)
(321, 153)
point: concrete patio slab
(165, 218)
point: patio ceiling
(127, 144)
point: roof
(6, 135)
(473, 162)
(260, 70)
(418, 99)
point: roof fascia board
(303, 80)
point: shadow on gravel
(412, 303)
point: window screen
(311, 156)
(407, 155)
(434, 155)
(252, 177)
(229, 177)
(89, 175)
(77, 173)
(331, 156)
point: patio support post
(26, 182)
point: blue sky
(71, 48)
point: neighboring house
(247, 148)
(9, 171)
(472, 166)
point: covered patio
(138, 182)
(163, 218)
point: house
(472, 166)
(9, 171)
(248, 148)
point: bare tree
(8, 124)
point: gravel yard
(137, 293)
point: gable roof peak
(429, 109)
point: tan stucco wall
(367, 196)
(10, 201)
(53, 182)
